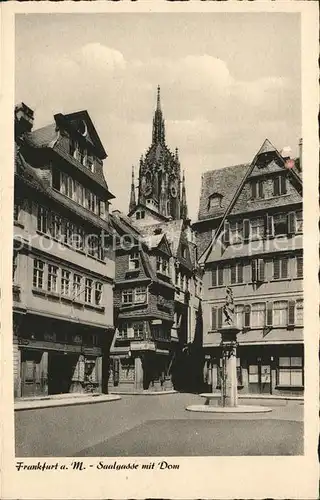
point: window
(257, 189)
(77, 286)
(280, 268)
(73, 147)
(98, 293)
(280, 225)
(182, 282)
(63, 183)
(214, 201)
(38, 270)
(81, 154)
(14, 265)
(216, 317)
(90, 164)
(258, 271)
(257, 228)
(290, 372)
(143, 214)
(253, 374)
(138, 329)
(299, 312)
(217, 276)
(56, 178)
(69, 230)
(127, 296)
(279, 185)
(123, 331)
(162, 265)
(88, 291)
(56, 226)
(138, 214)
(140, 296)
(299, 267)
(16, 211)
(93, 245)
(43, 220)
(239, 309)
(280, 313)
(52, 278)
(134, 261)
(299, 221)
(236, 229)
(65, 282)
(184, 252)
(258, 315)
(237, 273)
(247, 316)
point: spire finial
(183, 207)
(158, 98)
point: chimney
(300, 153)
(286, 152)
(24, 118)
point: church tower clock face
(173, 189)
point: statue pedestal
(229, 382)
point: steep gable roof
(172, 229)
(141, 206)
(266, 150)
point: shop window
(38, 273)
(134, 261)
(98, 292)
(253, 374)
(280, 268)
(280, 313)
(88, 290)
(65, 282)
(220, 373)
(52, 278)
(290, 372)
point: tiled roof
(42, 137)
(172, 229)
(225, 182)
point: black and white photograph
(159, 241)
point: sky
(228, 81)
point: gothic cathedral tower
(160, 185)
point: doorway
(60, 371)
(30, 373)
(259, 374)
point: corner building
(250, 233)
(63, 274)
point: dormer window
(257, 189)
(140, 215)
(214, 200)
(80, 153)
(279, 185)
(134, 261)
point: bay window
(127, 297)
(138, 330)
(140, 295)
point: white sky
(227, 81)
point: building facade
(158, 219)
(63, 273)
(250, 234)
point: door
(259, 374)
(30, 373)
(60, 370)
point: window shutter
(269, 315)
(253, 189)
(226, 234)
(254, 271)
(291, 222)
(276, 186)
(240, 272)
(268, 225)
(284, 273)
(233, 274)
(261, 189)
(276, 269)
(260, 270)
(291, 312)
(220, 275)
(247, 311)
(220, 312)
(214, 276)
(283, 184)
(213, 318)
(246, 229)
(299, 267)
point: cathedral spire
(183, 208)
(158, 131)
(132, 204)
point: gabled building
(250, 233)
(63, 271)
